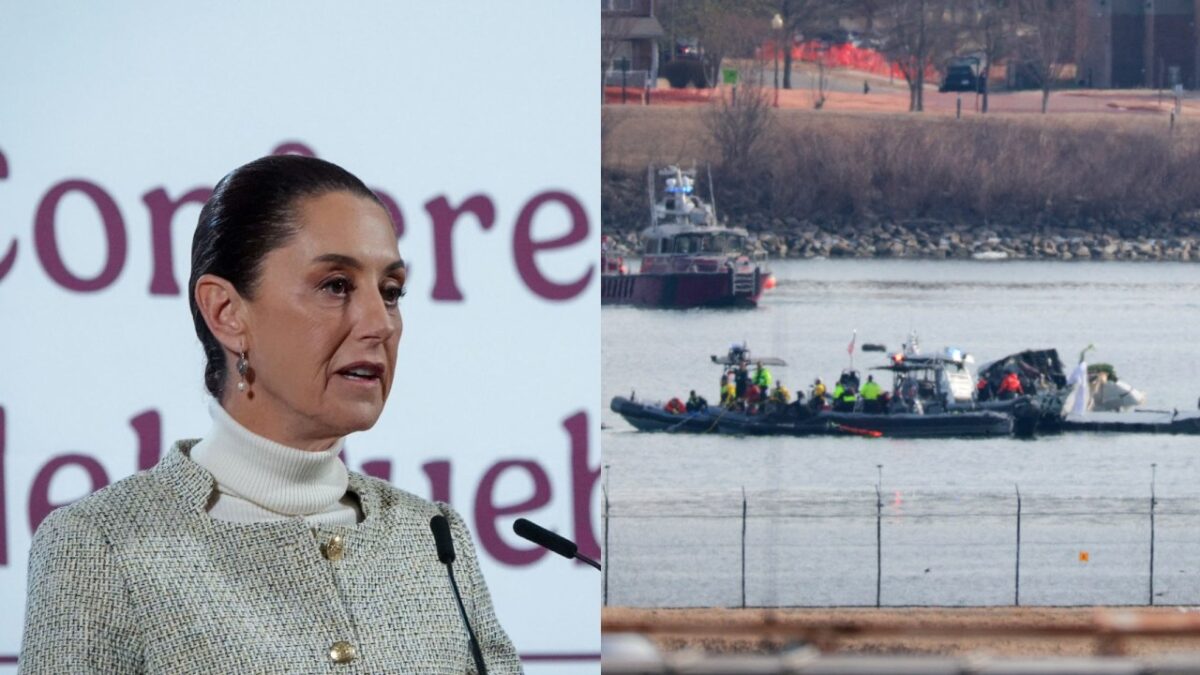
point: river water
(942, 528)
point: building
(629, 34)
(1137, 43)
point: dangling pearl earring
(242, 367)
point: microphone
(445, 553)
(550, 540)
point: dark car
(688, 49)
(686, 66)
(961, 77)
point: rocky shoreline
(931, 239)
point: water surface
(949, 507)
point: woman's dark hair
(252, 212)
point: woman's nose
(375, 319)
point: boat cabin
(693, 243)
(932, 383)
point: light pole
(777, 27)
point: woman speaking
(254, 549)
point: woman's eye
(338, 287)
(392, 294)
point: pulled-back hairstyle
(252, 211)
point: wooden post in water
(743, 547)
(1017, 585)
(1153, 503)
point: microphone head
(545, 538)
(441, 536)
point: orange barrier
(846, 56)
(659, 96)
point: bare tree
(920, 33)
(728, 32)
(869, 11)
(738, 125)
(992, 30)
(1046, 32)
(801, 17)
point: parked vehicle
(963, 76)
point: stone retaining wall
(932, 239)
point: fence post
(604, 574)
(1017, 592)
(743, 546)
(879, 536)
(1153, 503)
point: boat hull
(1031, 414)
(652, 417)
(1137, 422)
(680, 290)
(893, 425)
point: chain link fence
(891, 547)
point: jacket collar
(194, 485)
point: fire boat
(688, 258)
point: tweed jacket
(138, 578)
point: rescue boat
(688, 259)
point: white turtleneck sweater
(259, 480)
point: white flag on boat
(850, 348)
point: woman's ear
(223, 310)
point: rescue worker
(728, 394)
(839, 390)
(780, 394)
(741, 381)
(816, 399)
(762, 377)
(1010, 386)
(849, 399)
(871, 391)
(909, 392)
(696, 403)
(983, 390)
(844, 398)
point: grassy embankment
(1127, 175)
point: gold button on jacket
(341, 652)
(335, 548)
